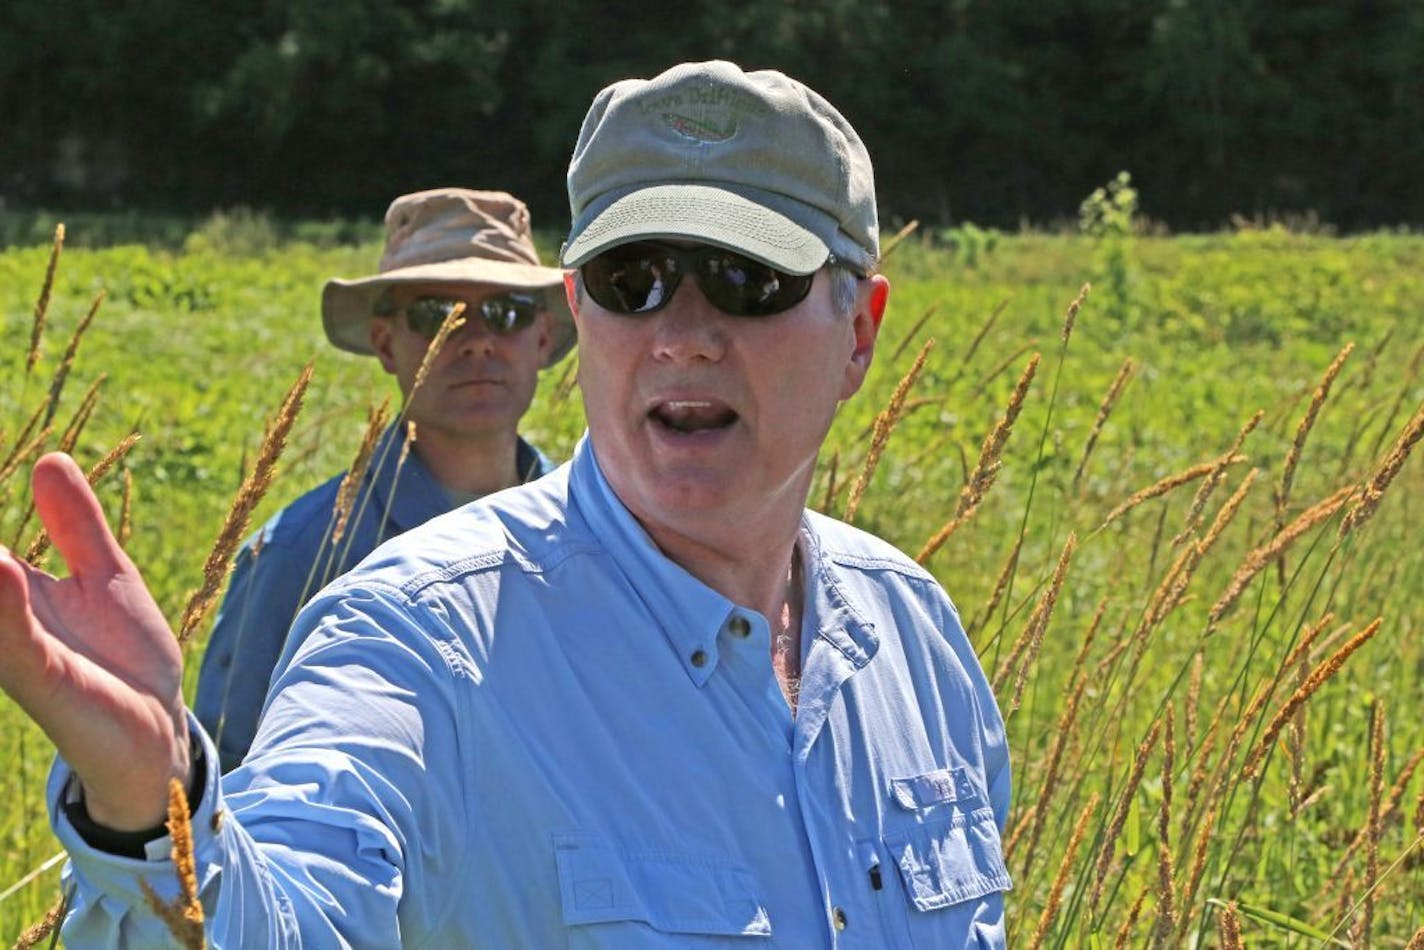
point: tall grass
(1196, 595)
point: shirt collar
(408, 492)
(690, 613)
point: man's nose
(689, 327)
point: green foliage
(198, 347)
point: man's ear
(381, 342)
(869, 311)
(571, 293)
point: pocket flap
(673, 892)
(949, 862)
(939, 787)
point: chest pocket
(614, 896)
(948, 866)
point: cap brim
(347, 305)
(770, 228)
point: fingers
(17, 671)
(73, 517)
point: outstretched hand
(91, 659)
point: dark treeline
(992, 111)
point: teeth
(687, 404)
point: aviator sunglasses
(503, 315)
(641, 277)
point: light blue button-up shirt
(522, 726)
(294, 555)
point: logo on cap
(699, 131)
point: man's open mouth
(692, 415)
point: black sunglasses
(503, 315)
(641, 277)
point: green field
(196, 346)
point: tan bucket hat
(449, 235)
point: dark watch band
(133, 844)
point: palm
(91, 659)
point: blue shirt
(521, 725)
(294, 555)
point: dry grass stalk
(1026, 648)
(22, 454)
(973, 347)
(376, 420)
(1307, 422)
(830, 495)
(1318, 677)
(184, 915)
(80, 419)
(1228, 924)
(987, 468)
(1173, 587)
(454, 320)
(1375, 488)
(1260, 557)
(1213, 479)
(568, 380)
(1001, 584)
(1105, 408)
(1062, 735)
(40, 545)
(914, 330)
(1166, 889)
(1071, 316)
(1405, 391)
(1004, 364)
(23, 436)
(126, 510)
(1124, 933)
(1026, 820)
(1202, 755)
(1295, 741)
(61, 372)
(885, 423)
(48, 925)
(1065, 867)
(249, 494)
(900, 235)
(1193, 707)
(1373, 825)
(1416, 942)
(1246, 719)
(1194, 876)
(1164, 485)
(1119, 816)
(42, 304)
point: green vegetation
(197, 343)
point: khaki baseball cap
(449, 235)
(753, 162)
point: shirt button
(699, 658)
(838, 915)
(739, 628)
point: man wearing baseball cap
(647, 701)
(456, 439)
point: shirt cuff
(83, 837)
(133, 844)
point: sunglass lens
(742, 287)
(632, 278)
(508, 312)
(425, 315)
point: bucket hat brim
(347, 305)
